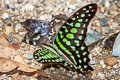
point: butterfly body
(69, 46)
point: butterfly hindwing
(45, 56)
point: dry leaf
(7, 51)
(8, 65)
(11, 60)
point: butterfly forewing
(71, 37)
(69, 46)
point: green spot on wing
(80, 61)
(77, 25)
(76, 41)
(64, 26)
(80, 20)
(73, 48)
(64, 39)
(71, 24)
(82, 31)
(90, 6)
(60, 32)
(85, 59)
(80, 37)
(84, 26)
(61, 36)
(68, 43)
(82, 15)
(84, 53)
(82, 47)
(87, 11)
(84, 8)
(70, 36)
(66, 30)
(89, 15)
(86, 20)
(73, 30)
(73, 18)
(85, 66)
(78, 56)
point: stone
(102, 63)
(116, 46)
(18, 27)
(5, 15)
(92, 37)
(29, 7)
(28, 56)
(103, 22)
(111, 61)
(101, 75)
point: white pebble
(5, 15)
(103, 64)
(21, 33)
(116, 46)
(18, 27)
(115, 66)
(92, 62)
(28, 56)
(119, 72)
(100, 75)
(72, 6)
(107, 3)
(29, 7)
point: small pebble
(119, 72)
(28, 56)
(72, 7)
(4, 77)
(9, 29)
(116, 46)
(92, 37)
(115, 66)
(21, 33)
(108, 67)
(28, 61)
(106, 29)
(102, 63)
(29, 7)
(112, 0)
(5, 15)
(100, 15)
(103, 22)
(107, 3)
(111, 61)
(101, 75)
(92, 62)
(18, 27)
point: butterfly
(69, 48)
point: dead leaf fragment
(7, 65)
(111, 61)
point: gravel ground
(106, 22)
